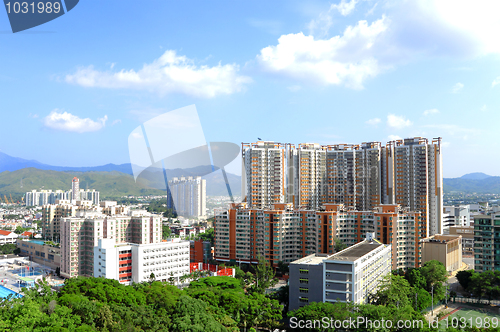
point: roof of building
(5, 233)
(356, 251)
(27, 233)
(440, 238)
(314, 259)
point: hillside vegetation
(109, 184)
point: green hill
(109, 184)
(490, 185)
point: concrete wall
(314, 284)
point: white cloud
(116, 122)
(397, 121)
(294, 88)
(373, 122)
(344, 7)
(136, 135)
(456, 28)
(431, 111)
(496, 81)
(168, 74)
(394, 137)
(457, 87)
(68, 122)
(340, 60)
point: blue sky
(73, 90)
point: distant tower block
(75, 188)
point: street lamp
(446, 297)
(432, 299)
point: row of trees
(97, 304)
(479, 285)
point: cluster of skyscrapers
(299, 199)
(43, 197)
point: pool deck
(6, 272)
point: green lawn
(474, 317)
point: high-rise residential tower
(189, 196)
(75, 189)
(416, 179)
(306, 178)
(263, 173)
(406, 172)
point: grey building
(306, 280)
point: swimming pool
(23, 272)
(4, 292)
(40, 242)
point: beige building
(80, 234)
(444, 248)
(40, 253)
(51, 218)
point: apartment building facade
(417, 179)
(263, 173)
(51, 218)
(286, 234)
(81, 233)
(487, 242)
(406, 172)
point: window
(303, 271)
(304, 281)
(304, 299)
(304, 290)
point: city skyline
(327, 73)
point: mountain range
(19, 175)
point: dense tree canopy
(97, 304)
(209, 235)
(160, 206)
(485, 284)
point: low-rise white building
(130, 262)
(7, 237)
